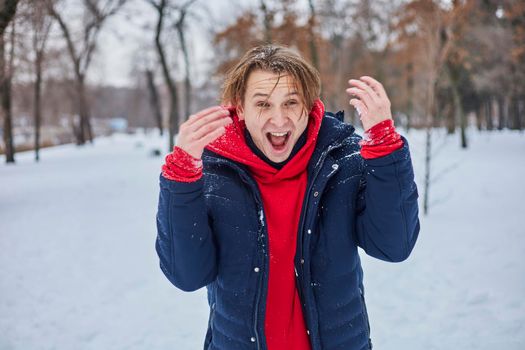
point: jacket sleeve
(185, 243)
(387, 223)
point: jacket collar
(332, 133)
(232, 145)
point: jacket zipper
(307, 198)
(320, 164)
(262, 220)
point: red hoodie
(282, 193)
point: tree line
(445, 64)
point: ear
(240, 112)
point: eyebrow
(260, 94)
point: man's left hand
(370, 100)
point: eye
(291, 103)
(262, 104)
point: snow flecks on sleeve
(353, 154)
(261, 217)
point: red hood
(232, 145)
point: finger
(359, 106)
(212, 136)
(197, 116)
(363, 95)
(375, 85)
(210, 127)
(364, 86)
(206, 119)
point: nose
(279, 118)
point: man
(265, 202)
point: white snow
(78, 268)
(464, 284)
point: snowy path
(78, 269)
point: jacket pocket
(365, 317)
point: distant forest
(450, 64)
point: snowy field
(78, 268)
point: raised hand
(202, 128)
(370, 100)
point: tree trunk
(187, 96)
(5, 92)
(88, 128)
(501, 113)
(431, 90)
(479, 116)
(37, 105)
(519, 113)
(428, 162)
(463, 125)
(488, 115)
(459, 114)
(187, 81)
(450, 118)
(428, 159)
(81, 131)
(173, 126)
(173, 120)
(516, 117)
(154, 100)
(85, 132)
(7, 13)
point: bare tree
(7, 13)
(456, 60)
(180, 25)
(41, 24)
(162, 8)
(437, 47)
(433, 43)
(97, 12)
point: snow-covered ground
(78, 268)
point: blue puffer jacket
(212, 233)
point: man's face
(274, 113)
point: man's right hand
(202, 128)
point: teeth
(279, 134)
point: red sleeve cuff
(181, 166)
(380, 140)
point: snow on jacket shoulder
(212, 233)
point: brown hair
(276, 59)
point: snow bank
(79, 268)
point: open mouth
(278, 140)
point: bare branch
(445, 171)
(154, 4)
(67, 36)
